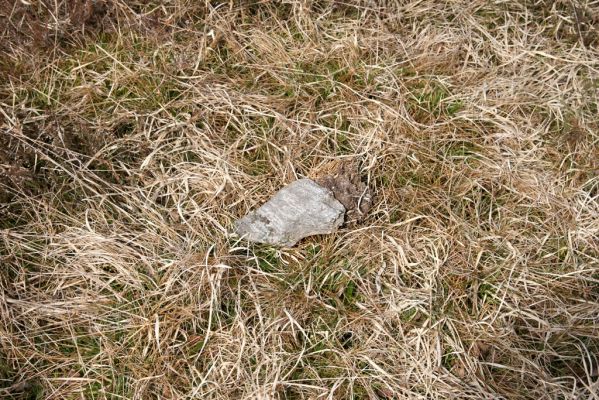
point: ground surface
(134, 133)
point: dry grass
(132, 135)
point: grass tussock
(134, 133)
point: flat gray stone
(302, 208)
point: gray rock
(300, 209)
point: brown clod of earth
(343, 179)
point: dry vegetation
(132, 135)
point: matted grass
(134, 134)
